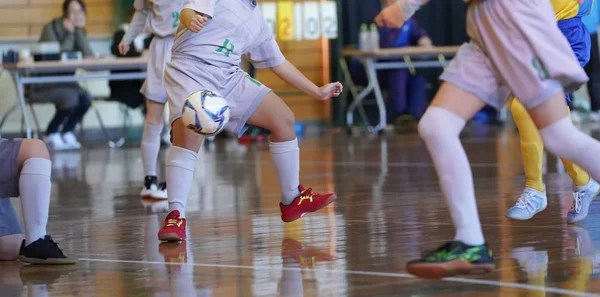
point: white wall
(112, 114)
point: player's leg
(156, 98)
(181, 159)
(440, 128)
(274, 115)
(585, 189)
(150, 148)
(533, 199)
(34, 186)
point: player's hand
(581, 1)
(391, 17)
(197, 23)
(123, 48)
(330, 90)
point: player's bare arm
(290, 74)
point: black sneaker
(453, 258)
(150, 186)
(43, 251)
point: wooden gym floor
(389, 209)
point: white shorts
(159, 54)
(516, 47)
(185, 75)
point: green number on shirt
(175, 16)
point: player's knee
(33, 148)
(154, 113)
(428, 127)
(285, 122)
(563, 139)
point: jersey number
(175, 16)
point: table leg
(21, 98)
(374, 83)
(8, 113)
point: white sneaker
(161, 192)
(71, 140)
(56, 142)
(582, 198)
(530, 203)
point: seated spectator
(71, 101)
(406, 90)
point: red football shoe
(174, 228)
(307, 201)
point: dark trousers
(592, 69)
(407, 94)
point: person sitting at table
(406, 90)
(71, 101)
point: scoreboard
(308, 20)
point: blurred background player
(160, 18)
(206, 55)
(534, 199)
(26, 169)
(514, 45)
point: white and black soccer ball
(205, 113)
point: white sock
(566, 141)
(35, 187)
(151, 147)
(286, 158)
(180, 173)
(440, 129)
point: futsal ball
(205, 113)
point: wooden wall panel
(22, 18)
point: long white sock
(566, 141)
(151, 147)
(180, 173)
(35, 187)
(286, 158)
(440, 129)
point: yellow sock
(532, 147)
(579, 176)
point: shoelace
(526, 201)
(577, 202)
(172, 222)
(54, 244)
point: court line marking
(364, 273)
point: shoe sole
(581, 219)
(329, 201)
(49, 261)
(448, 269)
(518, 219)
(158, 197)
(170, 237)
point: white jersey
(235, 28)
(157, 17)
